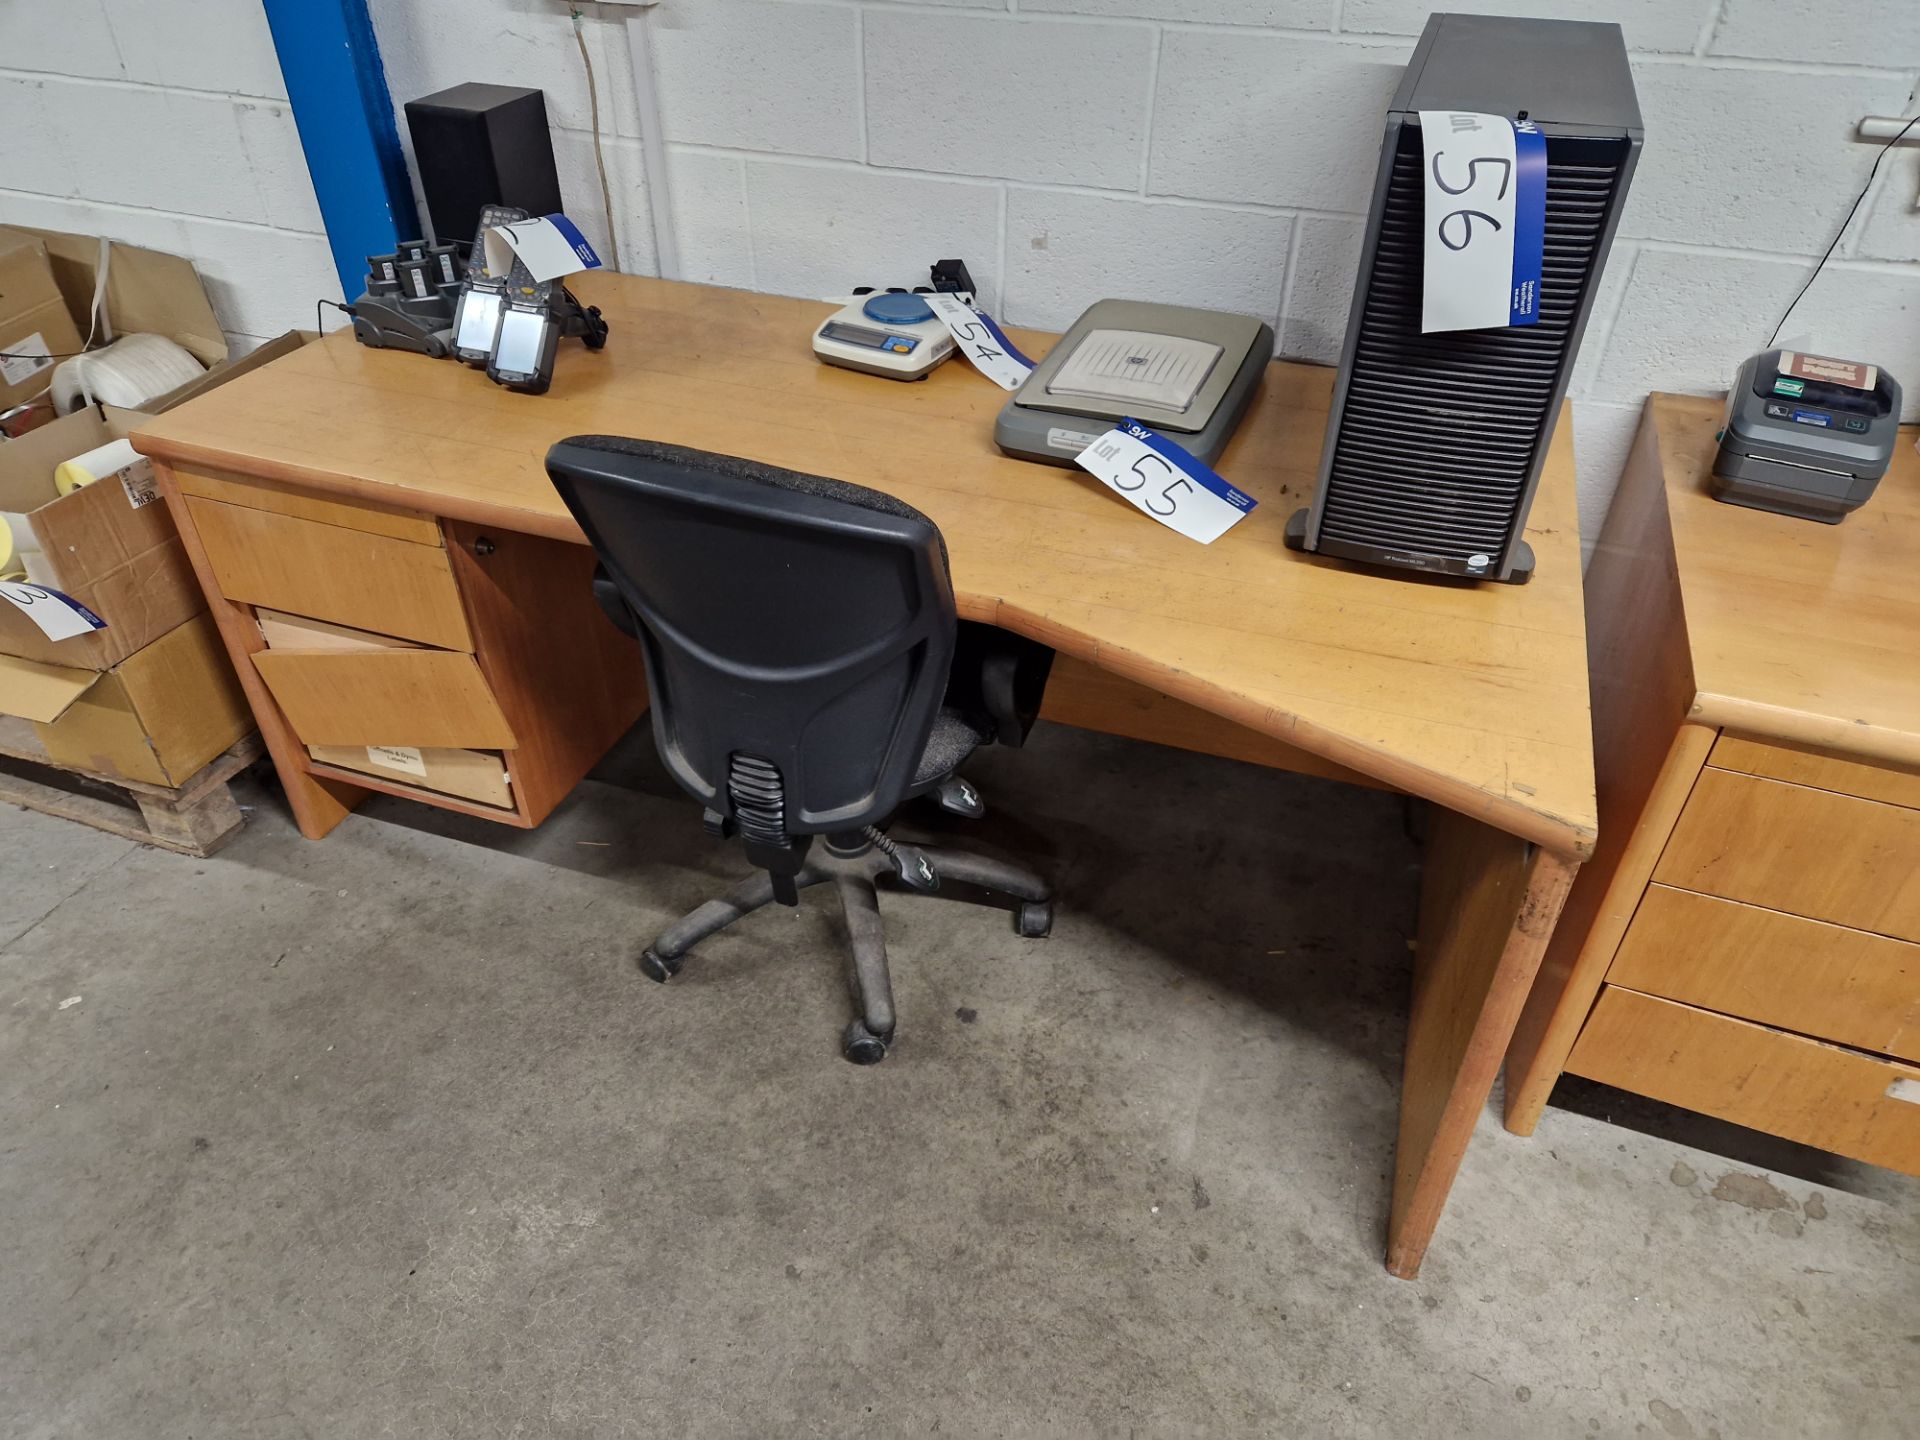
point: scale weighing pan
(1187, 373)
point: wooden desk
(1746, 941)
(1475, 698)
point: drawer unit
(386, 650)
(1818, 770)
(353, 577)
(435, 698)
(479, 775)
(1818, 1094)
(1847, 986)
(1817, 853)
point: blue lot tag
(1163, 480)
(1484, 222)
(60, 617)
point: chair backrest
(798, 631)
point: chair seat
(955, 736)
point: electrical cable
(599, 160)
(1833, 245)
(319, 312)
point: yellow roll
(19, 547)
(95, 464)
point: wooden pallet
(196, 818)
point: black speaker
(478, 145)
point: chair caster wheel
(862, 1046)
(659, 969)
(1035, 919)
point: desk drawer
(355, 577)
(1810, 852)
(1822, 772)
(1805, 1090)
(1804, 975)
(425, 699)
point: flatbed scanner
(1806, 435)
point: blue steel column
(338, 87)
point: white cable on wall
(128, 373)
(653, 145)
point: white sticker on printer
(23, 359)
(981, 341)
(404, 758)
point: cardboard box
(227, 370)
(158, 716)
(34, 318)
(122, 561)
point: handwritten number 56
(1466, 219)
(1473, 174)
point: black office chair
(808, 674)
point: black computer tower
(1435, 442)
(477, 145)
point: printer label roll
(1485, 180)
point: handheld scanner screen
(478, 320)
(522, 334)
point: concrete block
(70, 38)
(272, 144)
(219, 45)
(1689, 319)
(1866, 314)
(1891, 230)
(1613, 281)
(1270, 119)
(1602, 435)
(1670, 25)
(1756, 161)
(1806, 30)
(36, 151)
(627, 183)
(1065, 251)
(710, 217)
(160, 149)
(1282, 14)
(761, 75)
(1326, 264)
(1055, 101)
(261, 281)
(427, 45)
(820, 229)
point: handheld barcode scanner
(534, 315)
(476, 318)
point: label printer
(1806, 435)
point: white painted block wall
(1212, 152)
(1221, 152)
(165, 125)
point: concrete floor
(386, 1136)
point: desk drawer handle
(483, 547)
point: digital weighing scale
(892, 333)
(1187, 373)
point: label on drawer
(404, 758)
(1904, 1089)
